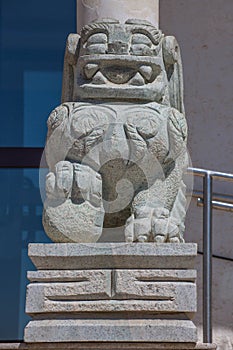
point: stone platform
(107, 346)
(112, 292)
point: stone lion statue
(116, 147)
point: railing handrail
(215, 174)
(208, 204)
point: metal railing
(205, 199)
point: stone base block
(112, 293)
(73, 256)
(110, 330)
(107, 346)
(85, 291)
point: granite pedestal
(106, 346)
(111, 293)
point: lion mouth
(119, 72)
(117, 75)
(118, 79)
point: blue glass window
(33, 36)
(20, 223)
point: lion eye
(99, 38)
(96, 44)
(141, 45)
(141, 39)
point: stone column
(89, 10)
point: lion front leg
(154, 217)
(73, 210)
(138, 226)
(146, 205)
(176, 200)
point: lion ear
(173, 66)
(70, 60)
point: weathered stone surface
(87, 276)
(84, 275)
(141, 284)
(69, 291)
(155, 276)
(68, 256)
(63, 219)
(110, 330)
(67, 307)
(59, 296)
(111, 291)
(107, 346)
(116, 147)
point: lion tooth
(146, 71)
(90, 69)
(137, 80)
(99, 79)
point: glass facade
(33, 36)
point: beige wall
(204, 29)
(89, 10)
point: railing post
(207, 258)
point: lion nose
(118, 47)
